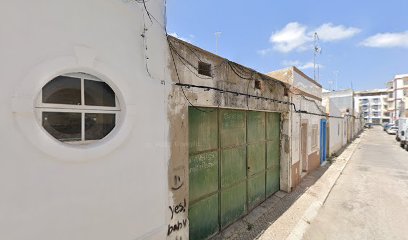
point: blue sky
(364, 43)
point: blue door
(323, 137)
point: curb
(303, 224)
(293, 224)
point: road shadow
(253, 225)
(260, 218)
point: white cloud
(295, 36)
(292, 36)
(387, 40)
(309, 65)
(330, 33)
(179, 37)
(264, 52)
(300, 65)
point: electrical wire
(207, 88)
(185, 96)
(233, 66)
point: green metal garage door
(233, 166)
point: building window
(314, 135)
(78, 108)
(204, 69)
(258, 84)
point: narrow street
(370, 198)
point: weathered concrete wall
(224, 78)
(306, 84)
(336, 132)
(313, 121)
(303, 92)
(115, 188)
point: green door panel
(233, 166)
(256, 190)
(203, 218)
(272, 154)
(272, 181)
(203, 130)
(233, 203)
(232, 127)
(256, 126)
(273, 127)
(203, 174)
(256, 158)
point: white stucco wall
(114, 189)
(300, 82)
(337, 137)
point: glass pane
(98, 125)
(99, 94)
(62, 90)
(65, 127)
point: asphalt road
(370, 198)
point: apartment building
(397, 97)
(373, 105)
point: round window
(78, 108)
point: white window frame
(83, 109)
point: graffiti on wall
(177, 224)
(177, 228)
(177, 181)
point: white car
(392, 130)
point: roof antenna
(316, 50)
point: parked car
(401, 135)
(404, 137)
(387, 126)
(392, 130)
(402, 124)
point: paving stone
(253, 216)
(280, 194)
(270, 202)
(235, 227)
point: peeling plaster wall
(312, 122)
(312, 91)
(306, 84)
(224, 78)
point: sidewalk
(287, 215)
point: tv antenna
(316, 50)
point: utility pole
(217, 36)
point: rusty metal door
(233, 166)
(256, 158)
(232, 124)
(272, 153)
(203, 174)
